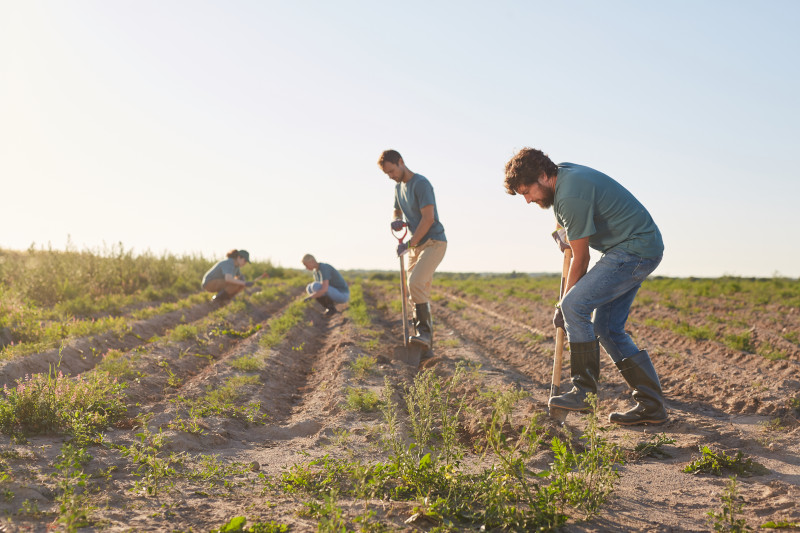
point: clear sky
(197, 127)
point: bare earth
(717, 397)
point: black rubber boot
(221, 297)
(584, 365)
(424, 326)
(641, 376)
(328, 304)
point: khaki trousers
(422, 262)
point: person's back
(593, 205)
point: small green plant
(727, 518)
(184, 332)
(172, 380)
(237, 525)
(712, 462)
(362, 366)
(246, 363)
(359, 399)
(153, 469)
(72, 498)
(653, 447)
(780, 524)
(768, 351)
(740, 341)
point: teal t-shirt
(219, 270)
(590, 204)
(410, 198)
(325, 271)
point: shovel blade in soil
(557, 414)
(410, 355)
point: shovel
(407, 353)
(556, 413)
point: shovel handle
(558, 358)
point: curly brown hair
(389, 156)
(526, 168)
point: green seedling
(728, 518)
(718, 462)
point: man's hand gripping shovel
(407, 353)
(556, 413)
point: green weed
(246, 363)
(359, 399)
(362, 366)
(716, 462)
(653, 447)
(53, 402)
(727, 518)
(740, 341)
(152, 468)
(72, 496)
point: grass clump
(711, 462)
(52, 402)
(362, 366)
(359, 399)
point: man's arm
(580, 262)
(322, 290)
(424, 225)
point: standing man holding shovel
(597, 212)
(414, 201)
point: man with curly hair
(599, 213)
(415, 207)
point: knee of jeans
(572, 308)
(313, 287)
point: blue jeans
(608, 289)
(336, 295)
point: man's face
(538, 193)
(309, 265)
(395, 172)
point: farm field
(136, 404)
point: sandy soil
(717, 397)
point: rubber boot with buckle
(584, 365)
(641, 376)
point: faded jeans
(608, 289)
(336, 295)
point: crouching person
(225, 278)
(328, 288)
(597, 212)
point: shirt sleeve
(577, 217)
(424, 194)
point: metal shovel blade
(558, 414)
(409, 355)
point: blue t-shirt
(410, 198)
(590, 204)
(325, 271)
(218, 271)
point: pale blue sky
(195, 126)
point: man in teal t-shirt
(414, 200)
(328, 288)
(598, 213)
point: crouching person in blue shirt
(328, 288)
